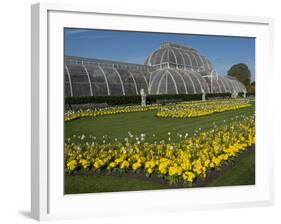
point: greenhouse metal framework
(171, 69)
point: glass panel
(179, 81)
(114, 82)
(98, 81)
(79, 79)
(128, 82)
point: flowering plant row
(201, 109)
(183, 110)
(71, 115)
(191, 158)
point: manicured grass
(96, 183)
(117, 126)
(241, 174)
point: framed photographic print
(148, 111)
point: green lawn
(117, 126)
(241, 174)
(97, 183)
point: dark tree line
(243, 74)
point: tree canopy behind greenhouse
(242, 73)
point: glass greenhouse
(171, 69)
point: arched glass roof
(172, 81)
(179, 57)
(225, 84)
(172, 69)
(98, 80)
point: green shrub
(151, 99)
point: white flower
(130, 134)
(143, 135)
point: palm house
(171, 69)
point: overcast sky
(135, 47)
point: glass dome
(172, 81)
(171, 55)
(172, 69)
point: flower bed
(201, 109)
(181, 110)
(186, 160)
(71, 115)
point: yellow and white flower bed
(191, 158)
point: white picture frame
(48, 201)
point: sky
(135, 47)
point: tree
(242, 73)
(253, 87)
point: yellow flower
(112, 164)
(173, 170)
(188, 176)
(84, 163)
(206, 163)
(136, 166)
(71, 165)
(149, 170)
(125, 164)
(98, 164)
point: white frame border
(40, 105)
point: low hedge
(250, 94)
(129, 100)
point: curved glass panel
(79, 80)
(189, 82)
(98, 80)
(67, 87)
(180, 82)
(140, 80)
(156, 57)
(129, 83)
(178, 56)
(171, 84)
(114, 82)
(195, 80)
